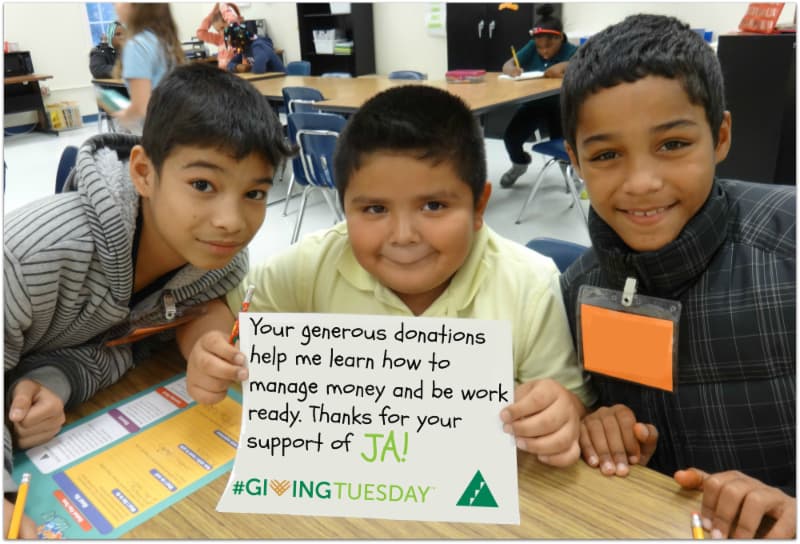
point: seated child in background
(103, 56)
(410, 169)
(644, 116)
(221, 15)
(256, 54)
(148, 230)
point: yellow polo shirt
(499, 280)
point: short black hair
(641, 46)
(425, 122)
(200, 105)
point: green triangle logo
(477, 493)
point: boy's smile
(411, 224)
(204, 207)
(648, 158)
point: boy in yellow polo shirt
(410, 169)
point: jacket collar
(667, 272)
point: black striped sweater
(68, 277)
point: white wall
(40, 29)
(583, 18)
(402, 41)
(60, 40)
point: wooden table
(22, 93)
(576, 502)
(249, 76)
(347, 95)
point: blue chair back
(554, 148)
(298, 68)
(562, 252)
(337, 74)
(407, 74)
(315, 134)
(299, 98)
(65, 165)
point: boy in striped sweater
(146, 233)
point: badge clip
(628, 291)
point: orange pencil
(248, 296)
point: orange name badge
(628, 336)
(632, 347)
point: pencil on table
(697, 527)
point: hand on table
(611, 438)
(556, 70)
(545, 419)
(213, 365)
(735, 505)
(36, 413)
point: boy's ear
(480, 207)
(573, 158)
(142, 172)
(723, 138)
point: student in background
(221, 15)
(103, 56)
(645, 123)
(151, 50)
(148, 230)
(254, 54)
(405, 252)
(548, 51)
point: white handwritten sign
(375, 417)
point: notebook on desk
(524, 75)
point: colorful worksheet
(376, 417)
(107, 473)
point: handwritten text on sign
(377, 417)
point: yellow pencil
(514, 54)
(697, 527)
(19, 507)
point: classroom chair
(298, 68)
(315, 135)
(558, 155)
(102, 115)
(407, 74)
(562, 252)
(65, 165)
(344, 75)
(297, 99)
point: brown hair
(156, 18)
(218, 15)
